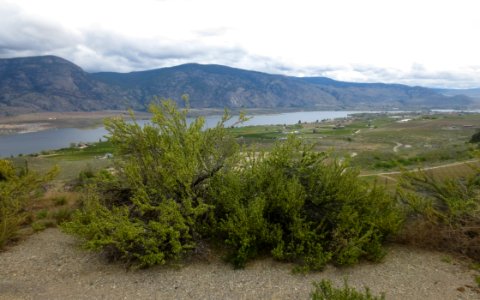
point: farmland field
(375, 143)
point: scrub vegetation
(324, 290)
(312, 194)
(444, 213)
(177, 185)
(18, 190)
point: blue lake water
(34, 142)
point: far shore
(56, 117)
(34, 122)
(39, 121)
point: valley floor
(50, 265)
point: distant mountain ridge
(473, 93)
(50, 83)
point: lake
(34, 142)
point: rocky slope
(50, 83)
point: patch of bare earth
(47, 120)
(50, 265)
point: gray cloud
(420, 75)
(20, 35)
(141, 54)
(95, 49)
(417, 75)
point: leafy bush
(148, 212)
(475, 137)
(38, 226)
(444, 214)
(300, 205)
(324, 290)
(178, 183)
(17, 189)
(85, 177)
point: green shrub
(475, 137)
(17, 189)
(149, 211)
(38, 226)
(324, 290)
(85, 177)
(177, 183)
(300, 205)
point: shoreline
(35, 122)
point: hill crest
(51, 83)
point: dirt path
(385, 174)
(49, 265)
(398, 145)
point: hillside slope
(50, 83)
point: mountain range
(51, 83)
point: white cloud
(412, 42)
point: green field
(70, 161)
(373, 143)
(380, 142)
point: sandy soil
(49, 265)
(23, 127)
(42, 121)
(59, 116)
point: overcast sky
(429, 43)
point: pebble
(57, 268)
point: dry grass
(463, 240)
(454, 170)
(444, 209)
(53, 208)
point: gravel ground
(49, 265)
